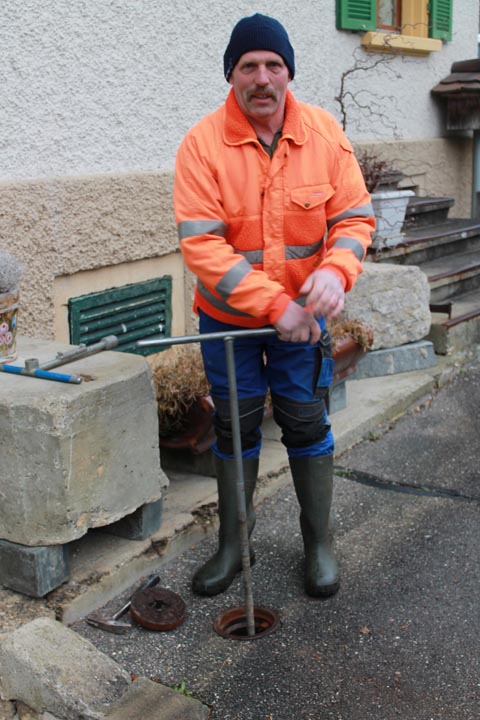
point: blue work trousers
(298, 376)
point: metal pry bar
(63, 358)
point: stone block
(394, 301)
(52, 669)
(139, 525)
(76, 457)
(34, 571)
(389, 361)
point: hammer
(113, 624)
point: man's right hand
(297, 325)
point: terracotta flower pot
(346, 355)
(198, 434)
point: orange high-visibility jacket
(251, 228)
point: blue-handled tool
(41, 374)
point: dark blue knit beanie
(258, 32)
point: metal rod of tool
(183, 340)
(242, 507)
(228, 338)
(40, 374)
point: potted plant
(185, 410)
(10, 275)
(389, 202)
(351, 338)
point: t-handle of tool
(150, 582)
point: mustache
(269, 92)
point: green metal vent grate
(132, 312)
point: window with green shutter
(416, 18)
(131, 312)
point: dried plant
(178, 383)
(343, 326)
(11, 272)
(376, 171)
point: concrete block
(147, 699)
(394, 301)
(34, 571)
(139, 525)
(337, 397)
(389, 361)
(76, 456)
(52, 669)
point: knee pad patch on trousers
(251, 412)
(302, 423)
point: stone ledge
(390, 361)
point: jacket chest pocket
(311, 197)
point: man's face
(260, 80)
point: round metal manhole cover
(158, 609)
(232, 624)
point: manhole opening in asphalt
(233, 625)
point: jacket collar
(238, 130)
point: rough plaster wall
(98, 87)
(62, 226)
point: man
(274, 220)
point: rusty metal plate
(158, 609)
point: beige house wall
(79, 235)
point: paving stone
(147, 699)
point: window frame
(426, 24)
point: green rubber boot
(219, 572)
(313, 481)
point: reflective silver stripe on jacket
(298, 252)
(351, 244)
(361, 211)
(292, 252)
(218, 303)
(232, 277)
(188, 228)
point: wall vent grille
(132, 312)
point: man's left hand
(324, 293)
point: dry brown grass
(179, 380)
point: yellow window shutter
(415, 18)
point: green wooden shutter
(131, 312)
(356, 14)
(441, 19)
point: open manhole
(232, 624)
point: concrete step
(427, 211)
(452, 275)
(456, 323)
(429, 243)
